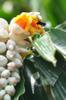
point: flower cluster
(10, 62)
(12, 44)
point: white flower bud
(3, 35)
(11, 44)
(16, 75)
(3, 60)
(10, 54)
(2, 47)
(10, 90)
(4, 24)
(12, 81)
(7, 97)
(11, 66)
(5, 73)
(3, 82)
(18, 62)
(1, 69)
(2, 93)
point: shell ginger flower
(25, 25)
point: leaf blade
(20, 90)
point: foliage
(50, 78)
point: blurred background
(52, 11)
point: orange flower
(29, 23)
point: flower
(23, 26)
(29, 22)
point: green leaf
(47, 70)
(59, 90)
(39, 92)
(45, 48)
(61, 26)
(59, 39)
(20, 90)
(53, 78)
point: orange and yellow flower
(29, 23)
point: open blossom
(25, 25)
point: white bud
(3, 35)
(16, 75)
(4, 24)
(18, 62)
(7, 97)
(2, 47)
(10, 89)
(11, 44)
(2, 93)
(3, 82)
(10, 54)
(12, 81)
(3, 60)
(11, 66)
(5, 73)
(1, 69)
